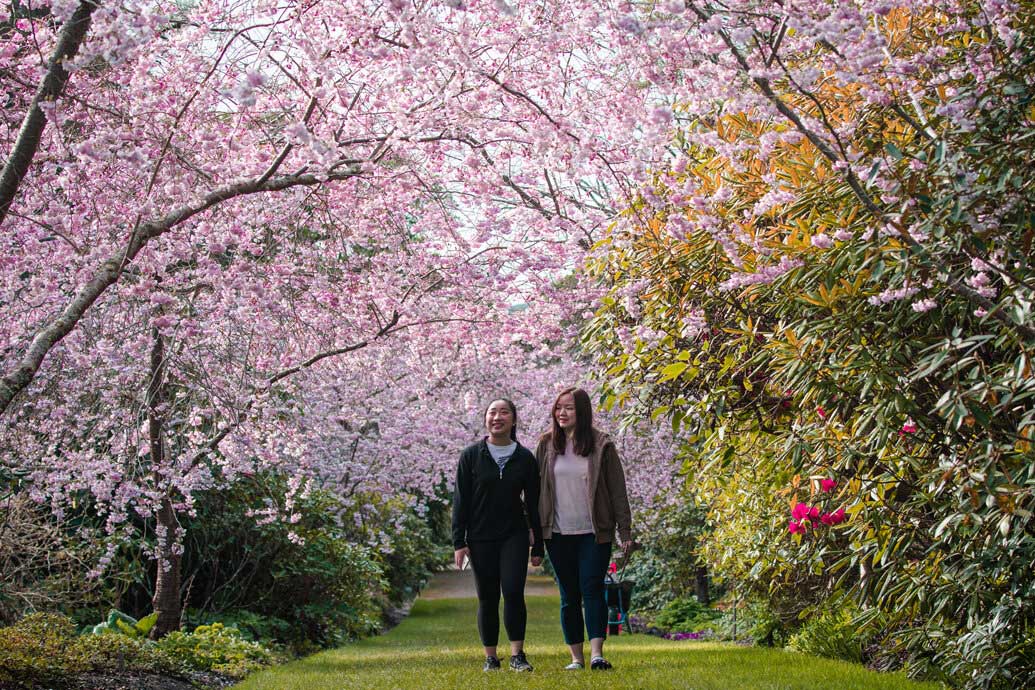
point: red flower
(814, 513)
(800, 512)
(795, 527)
(908, 428)
(834, 518)
(821, 412)
(827, 484)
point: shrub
(116, 651)
(665, 567)
(763, 625)
(44, 561)
(43, 648)
(835, 633)
(686, 614)
(216, 648)
(415, 552)
(33, 650)
(252, 626)
(895, 361)
(306, 585)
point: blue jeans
(580, 564)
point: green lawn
(437, 647)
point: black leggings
(501, 564)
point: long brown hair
(584, 442)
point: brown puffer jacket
(610, 508)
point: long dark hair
(513, 411)
(585, 444)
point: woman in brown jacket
(582, 502)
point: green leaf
(125, 628)
(673, 370)
(145, 624)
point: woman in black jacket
(495, 520)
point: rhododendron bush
(829, 289)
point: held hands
(460, 555)
(536, 560)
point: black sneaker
(491, 664)
(518, 662)
(600, 664)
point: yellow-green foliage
(216, 648)
(860, 358)
(34, 648)
(44, 649)
(834, 633)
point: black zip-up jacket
(490, 503)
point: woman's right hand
(459, 555)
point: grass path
(437, 647)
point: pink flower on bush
(800, 512)
(834, 518)
(827, 484)
(821, 412)
(908, 428)
(795, 527)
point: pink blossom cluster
(327, 233)
(764, 275)
(805, 517)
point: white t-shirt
(501, 453)
(571, 499)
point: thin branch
(270, 171)
(242, 416)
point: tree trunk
(167, 577)
(701, 585)
(72, 35)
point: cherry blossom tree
(223, 196)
